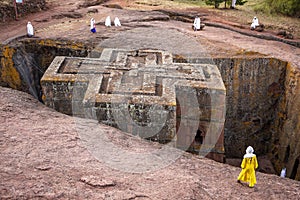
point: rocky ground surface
(46, 155)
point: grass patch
(200, 3)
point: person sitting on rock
(93, 25)
(249, 165)
(196, 24)
(30, 31)
(254, 23)
(117, 22)
(107, 21)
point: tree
(216, 3)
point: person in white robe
(117, 22)
(107, 21)
(254, 23)
(30, 31)
(93, 25)
(233, 2)
(196, 24)
(283, 173)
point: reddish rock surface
(43, 157)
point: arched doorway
(295, 174)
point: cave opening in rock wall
(256, 101)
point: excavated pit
(23, 64)
(256, 96)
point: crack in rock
(95, 181)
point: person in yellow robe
(249, 165)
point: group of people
(107, 23)
(30, 30)
(116, 21)
(254, 23)
(198, 26)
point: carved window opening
(199, 136)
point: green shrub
(215, 3)
(285, 7)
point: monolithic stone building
(145, 93)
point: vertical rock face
(254, 87)
(286, 140)
(263, 110)
(23, 64)
(9, 75)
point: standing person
(283, 173)
(30, 31)
(233, 4)
(249, 165)
(107, 21)
(196, 24)
(93, 25)
(117, 22)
